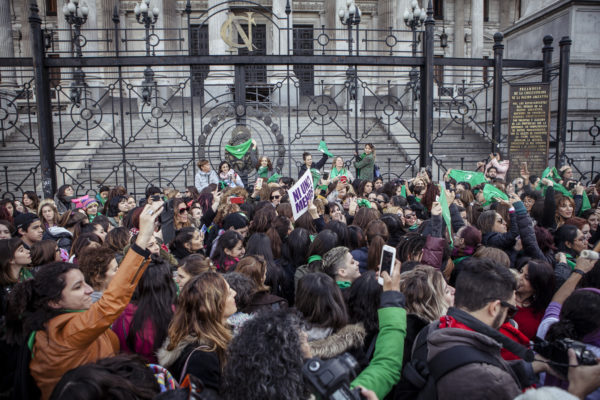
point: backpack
(419, 377)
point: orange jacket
(78, 338)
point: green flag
(323, 148)
(403, 191)
(263, 172)
(274, 178)
(552, 174)
(316, 175)
(490, 192)
(240, 150)
(471, 177)
(446, 213)
(585, 204)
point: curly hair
(275, 365)
(269, 163)
(244, 288)
(94, 262)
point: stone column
(476, 32)
(6, 41)
(219, 77)
(458, 42)
(282, 42)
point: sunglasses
(275, 197)
(183, 210)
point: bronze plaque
(528, 127)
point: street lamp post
(76, 15)
(414, 17)
(148, 18)
(350, 16)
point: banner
(301, 194)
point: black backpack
(419, 377)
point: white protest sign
(300, 194)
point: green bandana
(25, 274)
(274, 178)
(313, 258)
(263, 172)
(553, 175)
(316, 175)
(240, 150)
(323, 149)
(364, 203)
(490, 192)
(343, 284)
(471, 177)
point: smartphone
(386, 264)
(236, 200)
(259, 182)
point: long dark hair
(564, 234)
(28, 307)
(259, 244)
(228, 240)
(177, 245)
(154, 297)
(8, 247)
(541, 279)
(320, 301)
(578, 316)
(325, 241)
(295, 249)
(363, 301)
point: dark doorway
(304, 46)
(199, 47)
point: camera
(571, 185)
(330, 379)
(556, 352)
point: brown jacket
(476, 380)
(77, 338)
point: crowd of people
(216, 291)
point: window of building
(486, 10)
(51, 8)
(485, 74)
(438, 73)
(438, 9)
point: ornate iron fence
(139, 107)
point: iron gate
(139, 107)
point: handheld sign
(301, 193)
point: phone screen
(387, 260)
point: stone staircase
(164, 156)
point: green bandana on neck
(315, 257)
(343, 284)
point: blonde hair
(52, 205)
(255, 268)
(423, 288)
(199, 313)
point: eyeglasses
(512, 309)
(183, 210)
(275, 197)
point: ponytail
(28, 304)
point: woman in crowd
(565, 209)
(188, 241)
(14, 266)
(592, 216)
(264, 168)
(117, 239)
(535, 288)
(99, 267)
(338, 170)
(365, 163)
(255, 267)
(365, 189)
(293, 254)
(228, 177)
(9, 206)
(322, 305)
(65, 336)
(63, 198)
(6, 229)
(198, 335)
(45, 252)
(117, 208)
(70, 223)
(191, 266)
(229, 250)
(259, 244)
(48, 213)
(142, 327)
(31, 201)
(570, 241)
(181, 218)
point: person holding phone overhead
(309, 164)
